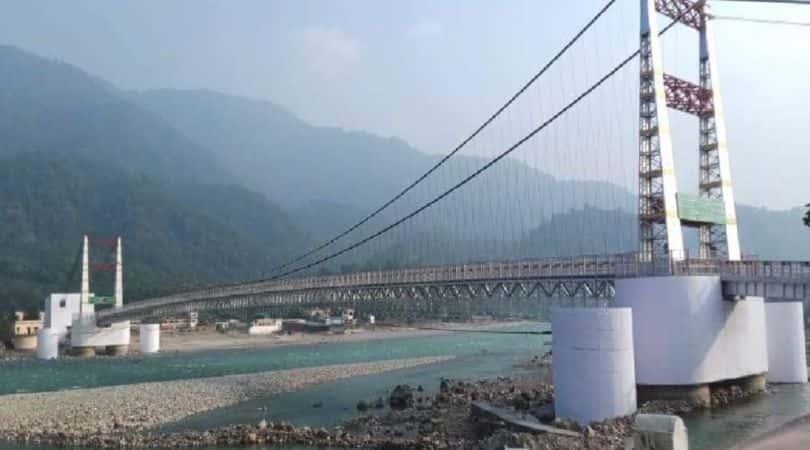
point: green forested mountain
(277, 154)
(76, 156)
(206, 187)
(764, 233)
(770, 234)
(320, 173)
(310, 170)
(206, 235)
(55, 108)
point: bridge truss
(521, 288)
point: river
(477, 356)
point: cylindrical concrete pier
(47, 344)
(594, 367)
(787, 360)
(150, 338)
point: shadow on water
(330, 403)
(718, 429)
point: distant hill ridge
(207, 187)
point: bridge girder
(535, 290)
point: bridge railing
(580, 266)
(627, 265)
(781, 270)
(637, 265)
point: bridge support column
(85, 336)
(149, 338)
(47, 344)
(688, 339)
(787, 358)
(593, 370)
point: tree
(807, 215)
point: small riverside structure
(25, 331)
(72, 317)
(659, 432)
(59, 312)
(265, 325)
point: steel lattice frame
(687, 12)
(659, 222)
(688, 97)
(715, 177)
(438, 292)
(659, 226)
(434, 296)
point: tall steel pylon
(663, 211)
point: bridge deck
(580, 277)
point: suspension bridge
(579, 161)
(492, 271)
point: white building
(265, 326)
(60, 310)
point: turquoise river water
(477, 356)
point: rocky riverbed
(121, 415)
(409, 418)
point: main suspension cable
(461, 183)
(458, 148)
(480, 170)
(764, 21)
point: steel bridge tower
(663, 211)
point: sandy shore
(133, 407)
(209, 339)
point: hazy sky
(424, 70)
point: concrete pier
(47, 344)
(700, 394)
(787, 360)
(593, 367)
(688, 339)
(85, 333)
(149, 338)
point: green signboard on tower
(100, 300)
(701, 210)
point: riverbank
(450, 417)
(108, 416)
(210, 339)
(207, 338)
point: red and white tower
(663, 211)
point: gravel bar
(143, 405)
